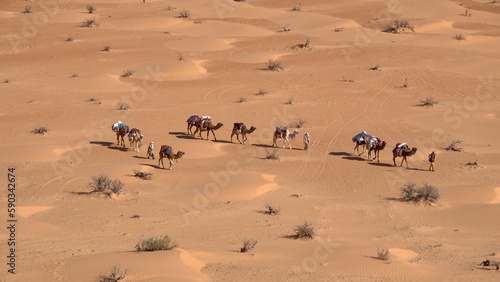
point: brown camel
(207, 126)
(286, 135)
(167, 152)
(121, 131)
(404, 152)
(376, 149)
(135, 137)
(240, 128)
(191, 122)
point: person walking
(151, 148)
(306, 141)
(432, 158)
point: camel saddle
(167, 150)
(360, 137)
(281, 129)
(238, 125)
(127, 128)
(400, 146)
(192, 119)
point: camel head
(219, 125)
(413, 151)
(252, 129)
(179, 155)
(382, 145)
(296, 131)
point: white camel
(286, 135)
(135, 137)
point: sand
(216, 195)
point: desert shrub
(466, 13)
(375, 67)
(103, 184)
(398, 26)
(296, 8)
(459, 36)
(248, 244)
(91, 9)
(304, 45)
(40, 130)
(285, 28)
(69, 39)
(116, 275)
(346, 80)
(170, 8)
(123, 106)
(136, 216)
(184, 14)
(429, 101)
(143, 175)
(198, 21)
(27, 9)
(272, 210)
(74, 75)
(94, 100)
(382, 254)
(274, 155)
(127, 73)
(304, 231)
(158, 243)
(426, 194)
(262, 91)
(89, 23)
(298, 124)
(454, 146)
(405, 83)
(274, 65)
(289, 101)
(338, 29)
(6, 80)
(106, 48)
(242, 99)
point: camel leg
(160, 160)
(213, 133)
(237, 138)
(171, 164)
(377, 153)
(188, 127)
(244, 137)
(232, 137)
(394, 160)
(274, 142)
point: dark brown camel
(243, 130)
(167, 152)
(121, 131)
(403, 152)
(376, 149)
(207, 126)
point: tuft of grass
(289, 101)
(27, 10)
(274, 155)
(459, 36)
(346, 80)
(91, 9)
(338, 29)
(74, 75)
(40, 130)
(89, 23)
(272, 210)
(136, 216)
(466, 13)
(304, 231)
(198, 21)
(262, 91)
(106, 48)
(405, 83)
(127, 73)
(159, 243)
(248, 244)
(298, 124)
(143, 175)
(69, 39)
(285, 28)
(6, 80)
(398, 26)
(273, 65)
(185, 14)
(180, 57)
(429, 101)
(375, 67)
(94, 100)
(123, 106)
(454, 146)
(382, 254)
(116, 275)
(424, 194)
(171, 8)
(304, 45)
(242, 99)
(296, 8)
(103, 184)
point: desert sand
(212, 63)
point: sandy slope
(215, 196)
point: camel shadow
(414, 168)
(183, 136)
(102, 143)
(381, 164)
(340, 154)
(123, 149)
(177, 133)
(81, 193)
(152, 165)
(264, 146)
(139, 157)
(354, 158)
(222, 141)
(393, 199)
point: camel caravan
(197, 124)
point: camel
(167, 152)
(286, 135)
(208, 127)
(402, 150)
(135, 137)
(120, 129)
(192, 120)
(359, 139)
(240, 128)
(376, 149)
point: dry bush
(185, 14)
(69, 39)
(6, 80)
(298, 124)
(273, 65)
(274, 155)
(398, 26)
(304, 231)
(94, 100)
(466, 13)
(289, 101)
(346, 80)
(459, 36)
(116, 275)
(40, 130)
(106, 48)
(198, 21)
(375, 67)
(304, 45)
(91, 9)
(127, 73)
(74, 75)
(493, 263)
(170, 8)
(155, 244)
(123, 106)
(382, 254)
(453, 146)
(405, 83)
(424, 194)
(248, 244)
(136, 216)
(285, 28)
(338, 29)
(429, 101)
(27, 10)
(296, 8)
(143, 175)
(242, 99)
(89, 23)
(262, 91)
(103, 184)
(272, 210)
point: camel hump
(165, 149)
(193, 119)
